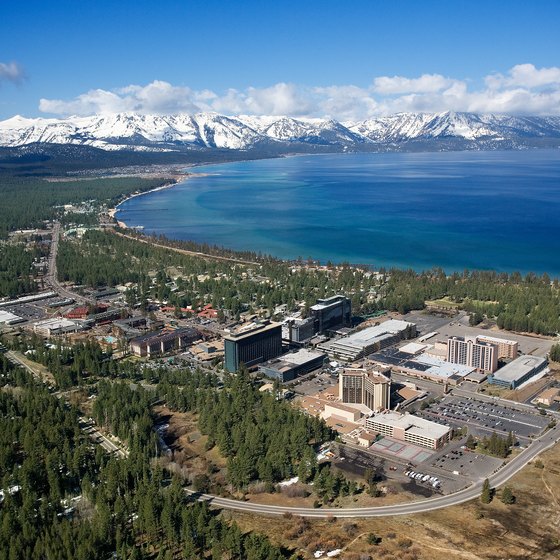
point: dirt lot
(529, 529)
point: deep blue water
(456, 210)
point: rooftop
(518, 368)
(412, 424)
(251, 329)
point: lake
(455, 210)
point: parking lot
(27, 311)
(461, 462)
(483, 417)
(459, 326)
(314, 383)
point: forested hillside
(64, 498)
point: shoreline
(174, 180)
(183, 177)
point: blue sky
(346, 59)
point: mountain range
(204, 131)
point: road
(86, 426)
(51, 277)
(548, 440)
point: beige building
(409, 428)
(506, 348)
(549, 396)
(469, 352)
(370, 388)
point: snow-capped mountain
(130, 131)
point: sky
(344, 59)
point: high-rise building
(359, 386)
(469, 352)
(252, 345)
(298, 331)
(332, 313)
(506, 348)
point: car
(425, 478)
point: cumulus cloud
(427, 83)
(11, 72)
(524, 89)
(525, 75)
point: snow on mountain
(210, 130)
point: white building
(410, 428)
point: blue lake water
(456, 210)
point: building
(359, 386)
(369, 340)
(50, 327)
(517, 372)
(482, 356)
(292, 365)
(341, 411)
(409, 428)
(298, 331)
(163, 341)
(507, 349)
(549, 396)
(331, 313)
(252, 345)
(365, 439)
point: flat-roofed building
(370, 388)
(289, 366)
(518, 372)
(332, 313)
(297, 330)
(160, 342)
(507, 349)
(365, 439)
(549, 396)
(409, 428)
(252, 345)
(340, 410)
(56, 326)
(369, 340)
(467, 351)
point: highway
(51, 277)
(548, 440)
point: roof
(251, 329)
(165, 335)
(412, 424)
(549, 393)
(413, 348)
(408, 393)
(518, 368)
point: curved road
(548, 440)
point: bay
(454, 210)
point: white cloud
(524, 89)
(525, 75)
(427, 83)
(11, 72)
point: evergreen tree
(487, 494)
(507, 496)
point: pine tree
(507, 496)
(486, 495)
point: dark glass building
(253, 345)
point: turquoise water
(456, 210)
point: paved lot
(464, 463)
(482, 417)
(27, 311)
(320, 382)
(459, 326)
